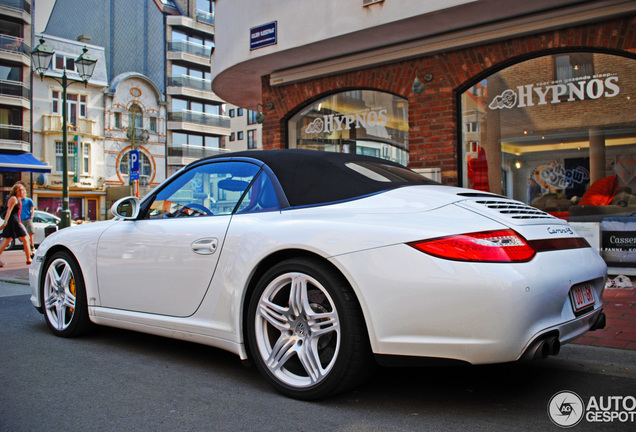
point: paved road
(115, 380)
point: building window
(145, 168)
(251, 139)
(76, 105)
(194, 146)
(72, 109)
(337, 123)
(251, 117)
(83, 106)
(10, 117)
(239, 112)
(179, 105)
(59, 156)
(86, 149)
(232, 136)
(152, 124)
(212, 142)
(205, 5)
(232, 113)
(63, 62)
(194, 44)
(117, 117)
(135, 117)
(239, 136)
(545, 141)
(573, 65)
(56, 102)
(471, 127)
(193, 76)
(179, 139)
(10, 72)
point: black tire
(64, 296)
(309, 342)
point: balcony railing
(18, 4)
(53, 123)
(14, 88)
(14, 133)
(205, 17)
(14, 44)
(190, 48)
(190, 82)
(199, 118)
(197, 152)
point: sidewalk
(619, 306)
(15, 268)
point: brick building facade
(434, 121)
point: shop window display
(359, 121)
(557, 132)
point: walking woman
(11, 227)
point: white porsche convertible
(317, 266)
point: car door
(163, 263)
(40, 222)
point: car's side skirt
(126, 320)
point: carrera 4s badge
(560, 230)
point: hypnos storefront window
(559, 133)
(360, 121)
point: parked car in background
(42, 222)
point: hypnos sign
(591, 87)
(338, 122)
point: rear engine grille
(514, 209)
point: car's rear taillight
(487, 246)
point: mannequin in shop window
(478, 171)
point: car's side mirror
(126, 208)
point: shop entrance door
(91, 209)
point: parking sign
(134, 160)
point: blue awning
(22, 162)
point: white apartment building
(85, 132)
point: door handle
(205, 246)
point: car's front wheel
(64, 296)
(306, 331)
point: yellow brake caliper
(72, 289)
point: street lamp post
(41, 58)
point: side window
(211, 189)
(260, 197)
(41, 218)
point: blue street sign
(263, 35)
(134, 160)
(134, 175)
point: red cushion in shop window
(601, 192)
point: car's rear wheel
(306, 331)
(64, 296)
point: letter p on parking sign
(134, 160)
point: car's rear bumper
(418, 305)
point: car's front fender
(79, 240)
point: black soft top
(310, 177)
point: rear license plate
(582, 297)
